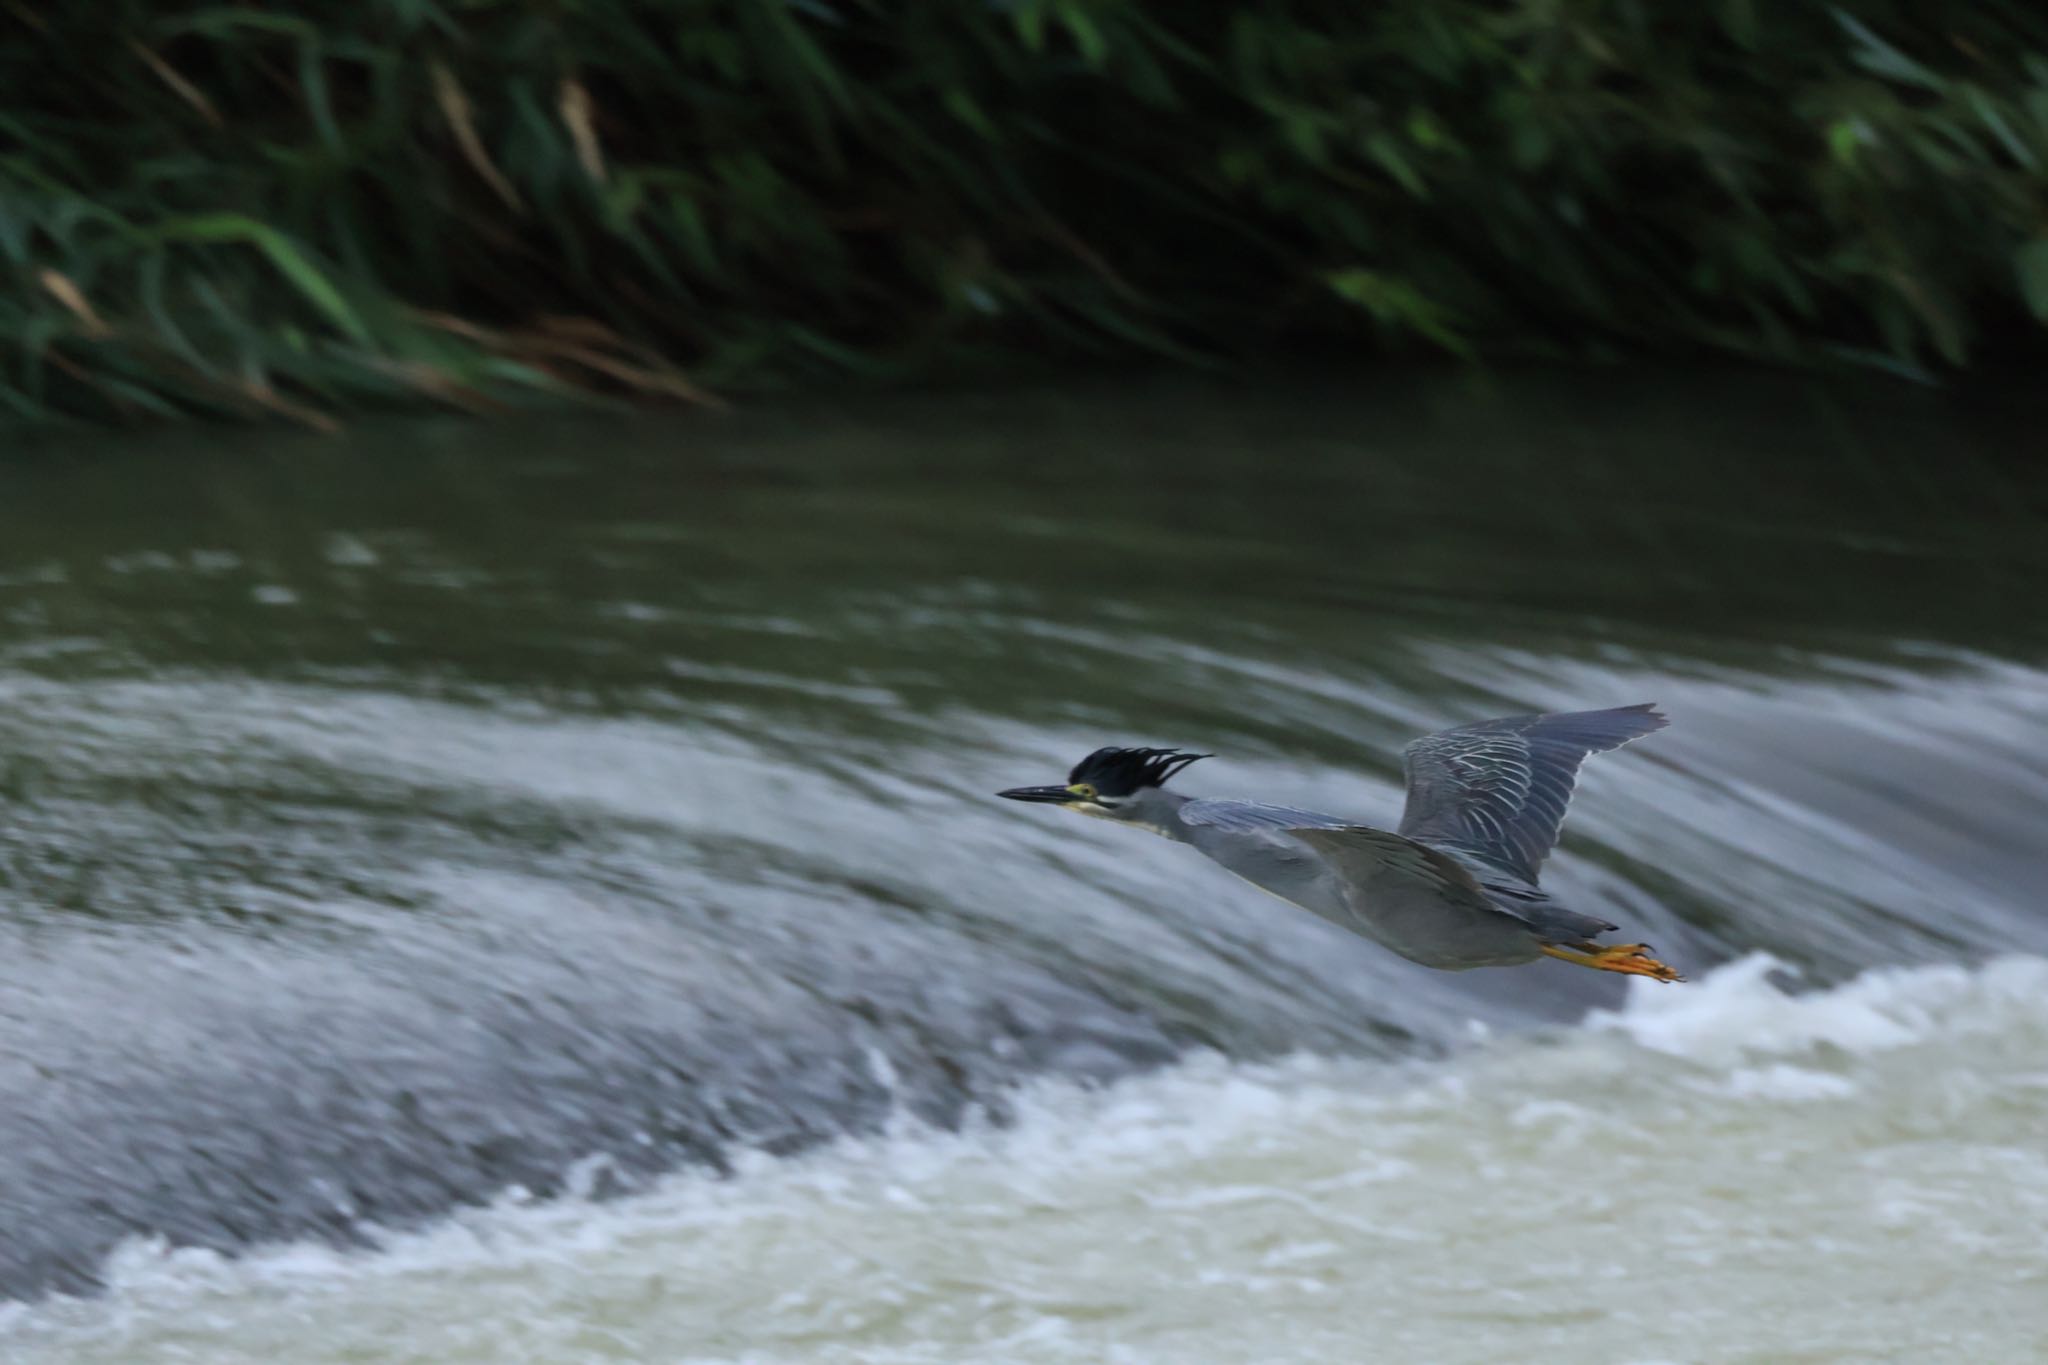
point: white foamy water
(1722, 1172)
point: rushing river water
(532, 891)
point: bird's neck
(1156, 809)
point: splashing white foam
(1730, 1171)
(1742, 1011)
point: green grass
(299, 208)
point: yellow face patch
(1083, 791)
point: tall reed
(293, 207)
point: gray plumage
(1453, 887)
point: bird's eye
(1083, 790)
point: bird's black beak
(1051, 796)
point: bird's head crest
(1120, 772)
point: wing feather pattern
(1498, 790)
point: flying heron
(1454, 887)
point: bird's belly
(1454, 944)
(1317, 895)
(1320, 895)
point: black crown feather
(1119, 772)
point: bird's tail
(1555, 924)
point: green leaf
(1844, 140)
(1304, 132)
(961, 106)
(287, 258)
(808, 54)
(1385, 150)
(313, 80)
(1424, 130)
(1880, 57)
(1030, 23)
(1995, 121)
(1087, 36)
(222, 23)
(1396, 302)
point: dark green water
(397, 817)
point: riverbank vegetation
(295, 208)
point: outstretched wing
(1499, 789)
(1417, 900)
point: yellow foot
(1631, 958)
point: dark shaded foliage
(295, 207)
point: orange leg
(1631, 958)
